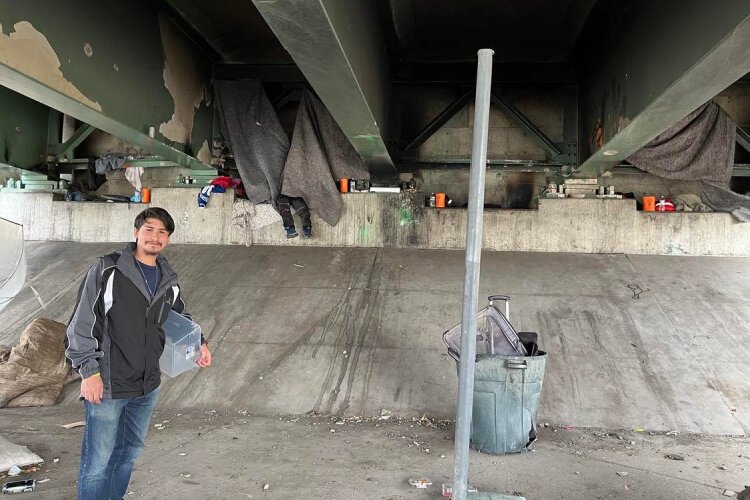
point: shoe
(291, 232)
(307, 232)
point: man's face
(152, 237)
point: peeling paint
(204, 154)
(182, 81)
(29, 52)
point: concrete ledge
(399, 221)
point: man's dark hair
(158, 214)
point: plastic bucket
(439, 200)
(649, 203)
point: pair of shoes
(291, 232)
(307, 232)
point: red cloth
(223, 181)
(664, 205)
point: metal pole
(471, 275)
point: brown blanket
(36, 371)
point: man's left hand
(205, 359)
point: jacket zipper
(145, 351)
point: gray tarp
(254, 135)
(319, 155)
(700, 147)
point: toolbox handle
(517, 364)
(504, 298)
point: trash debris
(639, 429)
(723, 467)
(23, 486)
(671, 433)
(73, 425)
(55, 460)
(622, 474)
(159, 426)
(43, 480)
(448, 490)
(674, 456)
(14, 471)
(298, 265)
(32, 469)
(184, 474)
(183, 454)
(385, 414)
(266, 486)
(568, 427)
(420, 483)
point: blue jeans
(114, 436)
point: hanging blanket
(254, 135)
(320, 154)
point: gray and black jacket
(116, 329)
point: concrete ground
(352, 331)
(229, 454)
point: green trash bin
(507, 392)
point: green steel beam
(743, 139)
(441, 73)
(54, 132)
(80, 135)
(39, 92)
(340, 51)
(656, 73)
(274, 73)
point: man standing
(115, 340)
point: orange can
(649, 203)
(344, 185)
(439, 200)
(146, 195)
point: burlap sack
(36, 371)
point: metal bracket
(65, 150)
(440, 120)
(514, 113)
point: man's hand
(205, 359)
(92, 389)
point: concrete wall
(400, 221)
(506, 140)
